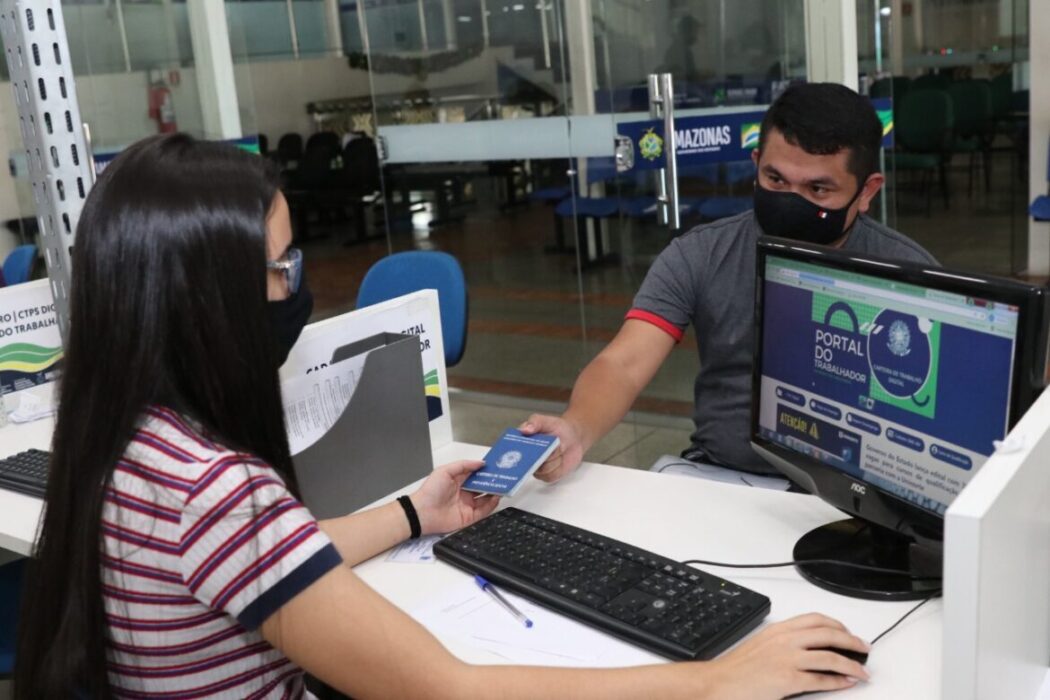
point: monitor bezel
(861, 498)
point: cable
(831, 562)
(905, 616)
(864, 567)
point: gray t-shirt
(706, 278)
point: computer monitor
(881, 386)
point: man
(817, 165)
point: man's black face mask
(790, 215)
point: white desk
(676, 516)
(19, 514)
(685, 518)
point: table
(685, 518)
(676, 516)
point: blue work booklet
(513, 458)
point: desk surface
(686, 518)
(677, 516)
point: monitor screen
(899, 385)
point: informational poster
(306, 373)
(30, 343)
(724, 136)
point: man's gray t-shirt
(706, 278)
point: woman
(174, 559)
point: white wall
(273, 94)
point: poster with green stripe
(30, 344)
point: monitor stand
(860, 542)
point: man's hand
(442, 504)
(569, 452)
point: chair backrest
(972, 106)
(361, 165)
(931, 81)
(326, 140)
(290, 147)
(883, 87)
(19, 264)
(315, 169)
(403, 273)
(1002, 88)
(924, 122)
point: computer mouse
(858, 656)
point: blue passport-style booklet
(513, 458)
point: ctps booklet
(510, 461)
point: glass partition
(963, 195)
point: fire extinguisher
(162, 108)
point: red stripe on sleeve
(661, 323)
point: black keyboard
(25, 472)
(648, 600)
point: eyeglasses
(291, 264)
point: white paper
(464, 610)
(415, 551)
(31, 407)
(314, 402)
(413, 314)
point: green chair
(974, 125)
(894, 87)
(924, 137)
(931, 81)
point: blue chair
(404, 273)
(596, 208)
(19, 264)
(1040, 207)
(11, 575)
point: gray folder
(381, 442)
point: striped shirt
(201, 545)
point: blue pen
(484, 585)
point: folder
(381, 441)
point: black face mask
(790, 215)
(288, 317)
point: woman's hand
(441, 503)
(787, 658)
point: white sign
(413, 314)
(30, 344)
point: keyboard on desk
(25, 472)
(651, 601)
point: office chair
(924, 127)
(974, 125)
(289, 149)
(403, 273)
(19, 264)
(11, 575)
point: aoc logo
(749, 134)
(859, 489)
(651, 146)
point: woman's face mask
(288, 317)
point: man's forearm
(601, 397)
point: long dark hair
(168, 307)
